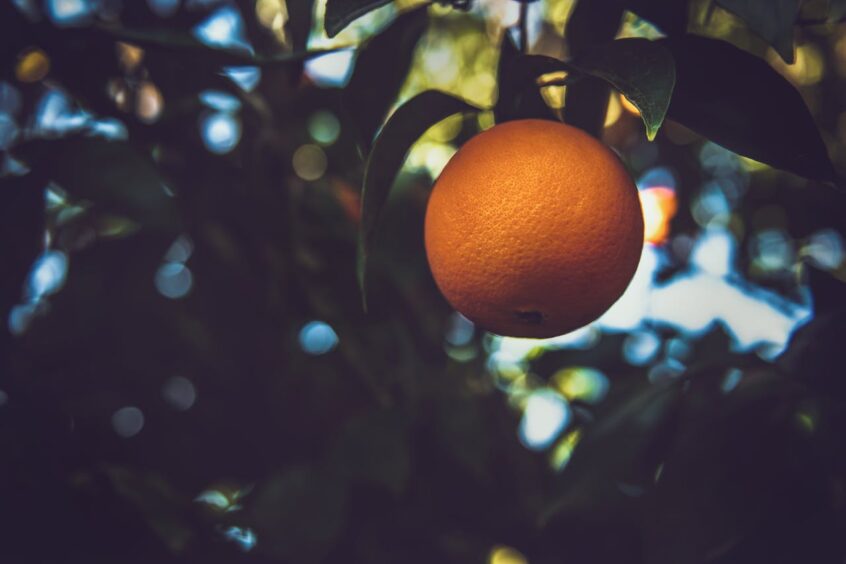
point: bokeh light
(332, 69)
(224, 28)
(128, 421)
(245, 538)
(33, 65)
(324, 127)
(149, 102)
(506, 555)
(66, 13)
(659, 206)
(309, 162)
(731, 380)
(824, 249)
(545, 415)
(48, 275)
(581, 384)
(460, 330)
(772, 249)
(246, 77)
(174, 280)
(640, 347)
(562, 452)
(318, 337)
(220, 131)
(220, 101)
(8, 131)
(179, 392)
(21, 316)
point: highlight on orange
(659, 206)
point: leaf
(374, 448)
(738, 101)
(380, 70)
(643, 71)
(828, 292)
(341, 13)
(21, 235)
(163, 508)
(299, 513)
(300, 18)
(109, 173)
(623, 447)
(405, 126)
(519, 95)
(670, 16)
(771, 20)
(591, 23)
(837, 10)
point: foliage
(201, 384)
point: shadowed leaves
(771, 20)
(405, 126)
(380, 71)
(741, 103)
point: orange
(533, 229)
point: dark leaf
(741, 103)
(771, 20)
(670, 16)
(165, 511)
(738, 472)
(591, 23)
(373, 448)
(21, 234)
(519, 95)
(380, 70)
(828, 292)
(642, 70)
(341, 13)
(837, 10)
(618, 454)
(109, 173)
(299, 513)
(300, 18)
(405, 126)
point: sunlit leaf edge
(403, 128)
(335, 21)
(653, 109)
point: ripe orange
(533, 229)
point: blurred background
(188, 375)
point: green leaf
(519, 95)
(405, 126)
(738, 101)
(380, 70)
(771, 20)
(111, 174)
(643, 71)
(341, 13)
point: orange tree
(189, 225)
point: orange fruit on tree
(533, 229)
